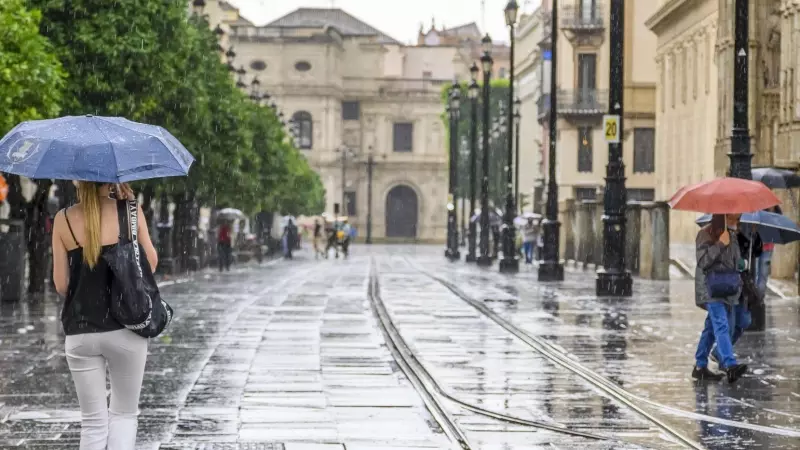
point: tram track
(433, 394)
(561, 357)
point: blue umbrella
(92, 148)
(771, 227)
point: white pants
(104, 427)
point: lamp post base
(551, 271)
(614, 284)
(452, 255)
(484, 261)
(509, 265)
(471, 258)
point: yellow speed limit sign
(611, 128)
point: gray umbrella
(776, 178)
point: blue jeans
(739, 319)
(716, 329)
(763, 265)
(528, 249)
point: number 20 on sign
(611, 128)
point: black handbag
(135, 299)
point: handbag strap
(122, 217)
(133, 220)
(127, 214)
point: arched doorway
(401, 212)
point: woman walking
(718, 289)
(94, 339)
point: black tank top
(87, 306)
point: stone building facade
(695, 57)
(355, 94)
(582, 96)
(468, 37)
(529, 80)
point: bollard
(633, 218)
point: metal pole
(517, 120)
(473, 169)
(344, 178)
(740, 156)
(551, 269)
(510, 262)
(452, 252)
(613, 279)
(370, 164)
(485, 259)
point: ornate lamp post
(551, 269)
(230, 55)
(452, 252)
(485, 259)
(517, 119)
(198, 7)
(510, 263)
(255, 91)
(613, 279)
(474, 91)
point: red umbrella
(724, 196)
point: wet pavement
(288, 355)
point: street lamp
(198, 6)
(255, 90)
(452, 252)
(550, 268)
(517, 120)
(613, 279)
(473, 92)
(485, 259)
(510, 263)
(240, 80)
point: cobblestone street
(293, 355)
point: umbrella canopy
(92, 148)
(495, 217)
(771, 227)
(724, 196)
(230, 214)
(524, 217)
(776, 178)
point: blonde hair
(89, 198)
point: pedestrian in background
(317, 238)
(530, 236)
(718, 288)
(94, 339)
(763, 265)
(224, 246)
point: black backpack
(135, 299)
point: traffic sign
(611, 128)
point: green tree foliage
(31, 82)
(498, 99)
(150, 62)
(31, 77)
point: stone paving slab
(276, 357)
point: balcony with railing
(546, 37)
(575, 103)
(584, 17)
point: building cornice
(666, 14)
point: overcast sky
(399, 19)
